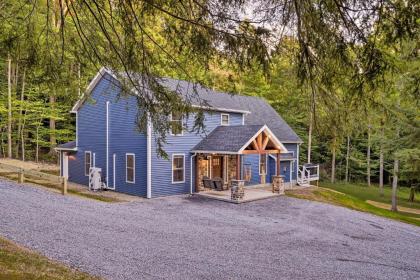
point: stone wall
(203, 167)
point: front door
(217, 166)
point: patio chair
(218, 183)
(208, 183)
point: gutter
(149, 157)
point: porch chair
(218, 183)
(208, 183)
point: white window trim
(183, 169)
(182, 126)
(134, 168)
(221, 119)
(84, 162)
(259, 165)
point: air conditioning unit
(95, 179)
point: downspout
(107, 143)
(149, 157)
(191, 172)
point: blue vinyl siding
(293, 147)
(162, 168)
(253, 161)
(123, 138)
(284, 169)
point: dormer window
(176, 123)
(224, 119)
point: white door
(65, 165)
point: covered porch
(220, 169)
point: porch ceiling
(241, 139)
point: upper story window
(176, 123)
(224, 119)
(178, 162)
(130, 168)
(263, 164)
(88, 162)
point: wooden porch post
(278, 164)
(238, 167)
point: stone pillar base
(237, 190)
(278, 185)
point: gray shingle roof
(227, 138)
(67, 146)
(261, 112)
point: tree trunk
(412, 195)
(333, 162)
(9, 108)
(368, 157)
(22, 95)
(394, 186)
(79, 81)
(2, 144)
(381, 163)
(310, 135)
(52, 125)
(22, 140)
(347, 159)
(37, 144)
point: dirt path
(388, 206)
(30, 164)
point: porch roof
(69, 146)
(234, 139)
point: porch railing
(307, 173)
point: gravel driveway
(196, 238)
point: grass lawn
(18, 263)
(355, 196)
(364, 192)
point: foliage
(353, 65)
(352, 202)
(20, 263)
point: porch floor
(251, 194)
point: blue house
(245, 139)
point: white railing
(307, 173)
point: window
(130, 168)
(263, 164)
(88, 162)
(224, 119)
(178, 162)
(176, 124)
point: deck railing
(307, 173)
